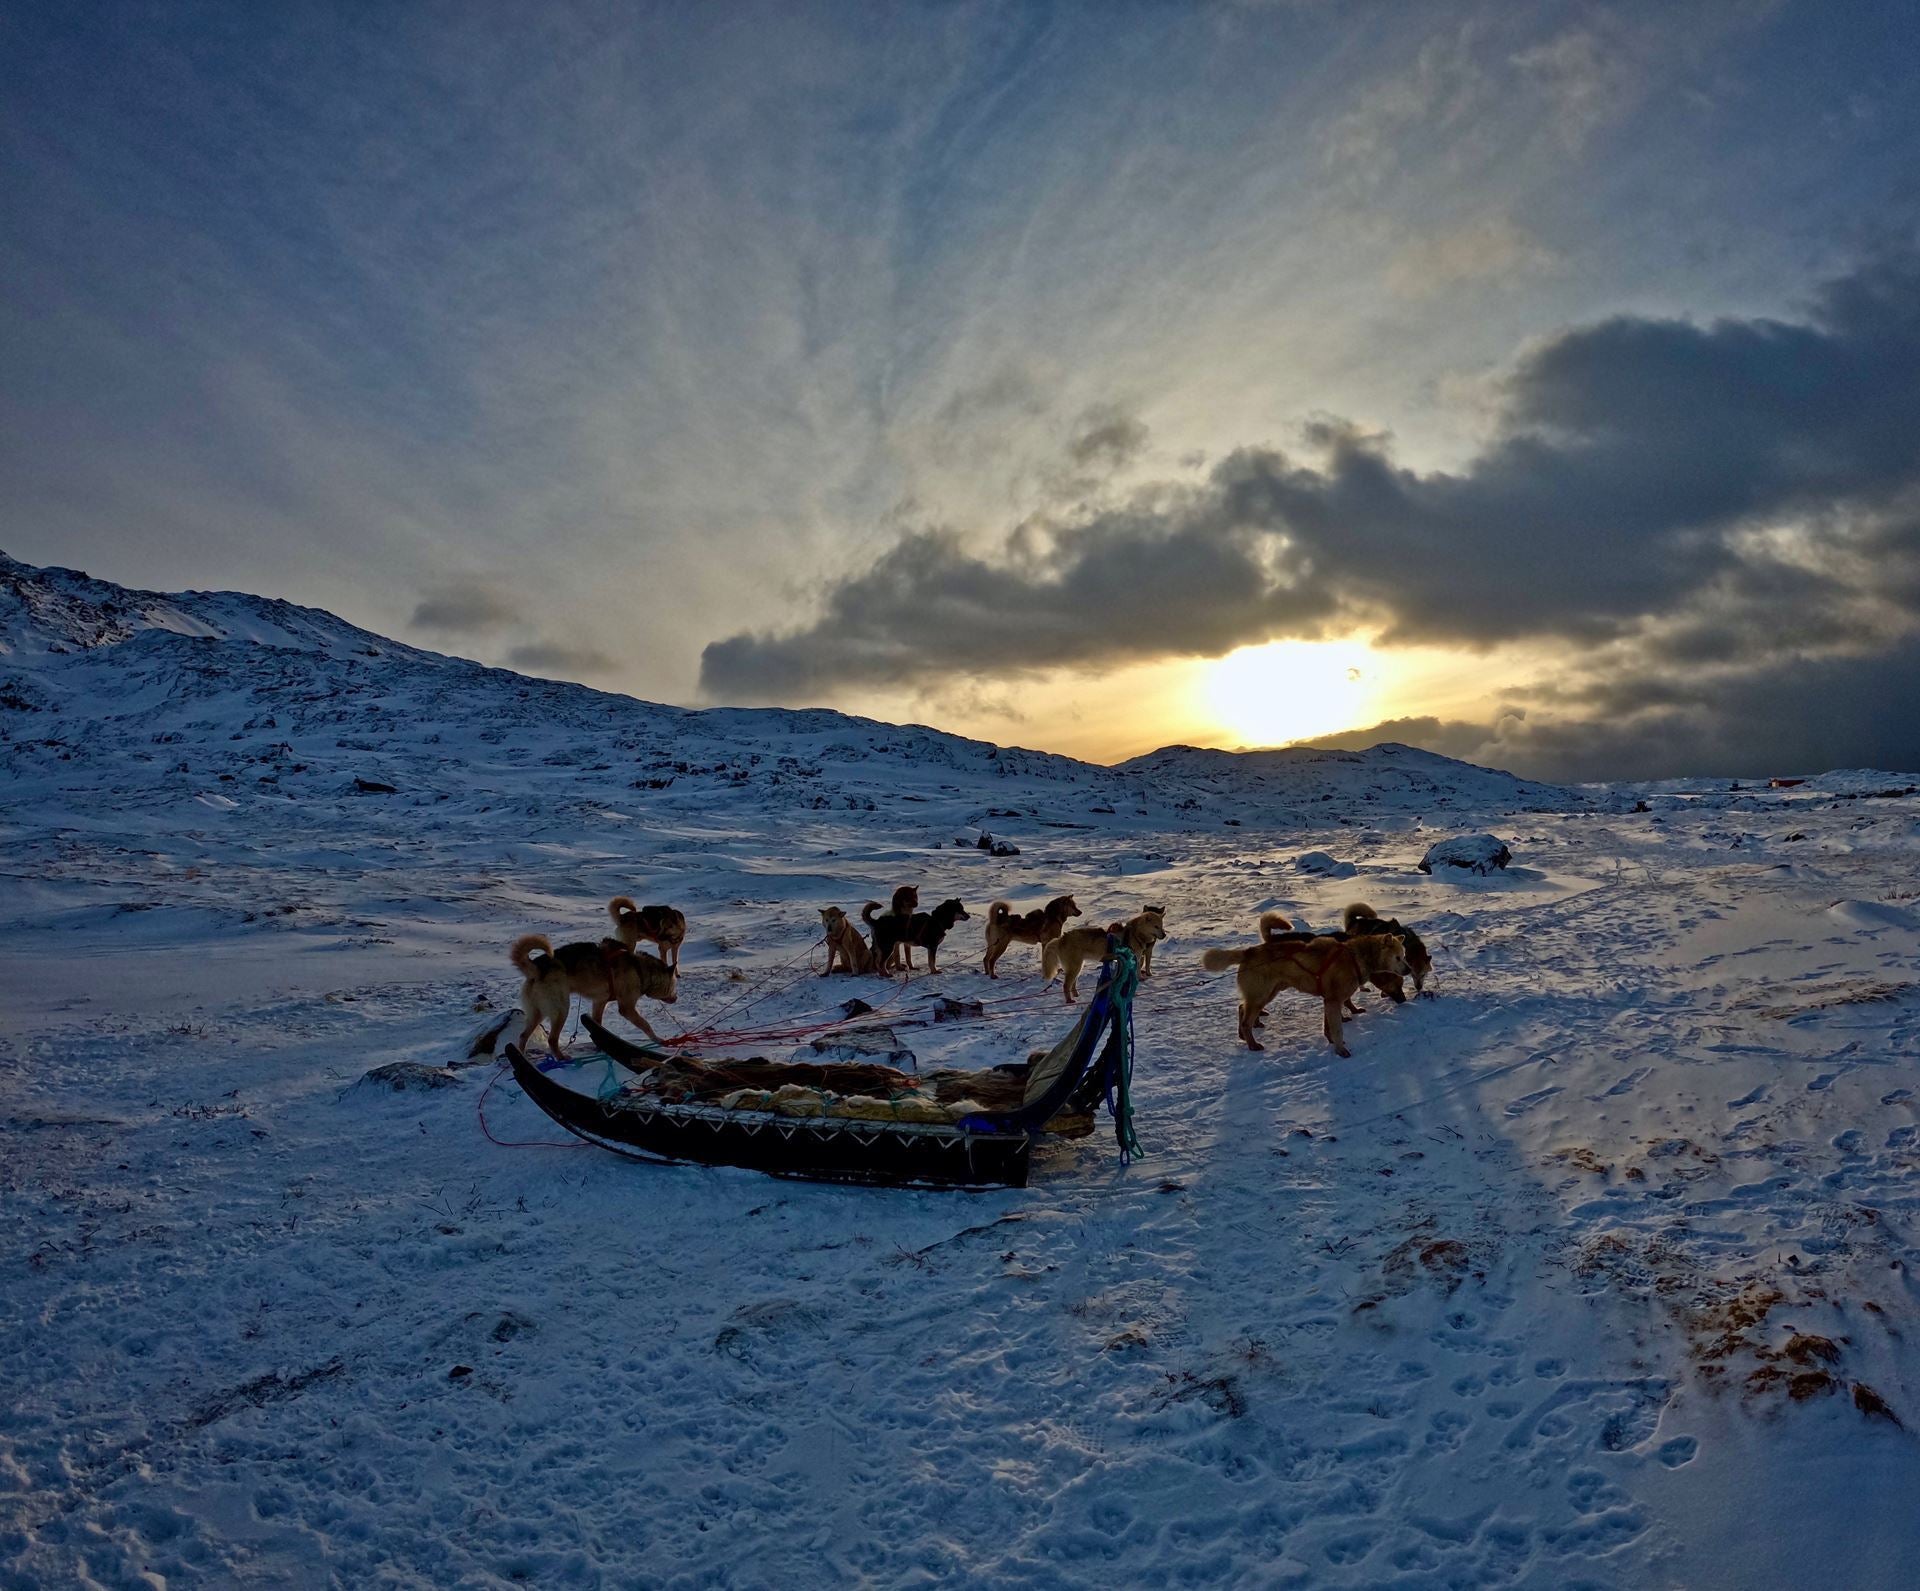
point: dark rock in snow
(374, 787)
(405, 1077)
(1478, 853)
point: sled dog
(896, 934)
(604, 973)
(1004, 928)
(1332, 969)
(1360, 918)
(845, 943)
(664, 925)
(1077, 946)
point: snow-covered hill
(1566, 1277)
(143, 697)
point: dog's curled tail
(525, 948)
(1272, 923)
(999, 912)
(621, 906)
(1220, 960)
(1358, 911)
(869, 911)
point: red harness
(1298, 953)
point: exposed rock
(1478, 853)
(405, 1077)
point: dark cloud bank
(1721, 522)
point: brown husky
(1332, 969)
(664, 925)
(1360, 918)
(1077, 946)
(604, 973)
(845, 943)
(1274, 928)
(1029, 928)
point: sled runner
(854, 1122)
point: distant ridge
(220, 667)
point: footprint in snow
(1752, 1097)
(1901, 1137)
(1822, 1083)
(1898, 1097)
(1627, 1084)
(1527, 1102)
(1848, 1142)
(1680, 1450)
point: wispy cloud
(1721, 495)
(465, 605)
(697, 320)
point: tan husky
(1004, 929)
(666, 926)
(1332, 969)
(604, 973)
(845, 943)
(1077, 946)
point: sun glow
(1291, 690)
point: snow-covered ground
(1597, 1269)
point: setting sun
(1290, 690)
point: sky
(1536, 383)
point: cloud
(1492, 248)
(1791, 715)
(464, 605)
(549, 657)
(1107, 437)
(1651, 481)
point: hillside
(142, 697)
(1564, 1277)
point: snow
(1522, 1294)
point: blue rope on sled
(1119, 1057)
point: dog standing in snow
(1360, 918)
(895, 934)
(665, 926)
(605, 974)
(1331, 969)
(1004, 929)
(906, 901)
(1076, 947)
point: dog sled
(851, 1121)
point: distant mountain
(227, 700)
(1392, 773)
